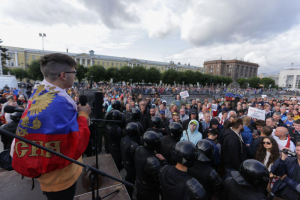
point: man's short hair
(267, 130)
(290, 113)
(236, 123)
(246, 120)
(241, 111)
(213, 132)
(298, 144)
(261, 123)
(297, 121)
(277, 113)
(223, 112)
(55, 63)
(271, 118)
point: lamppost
(42, 35)
(174, 83)
(183, 83)
(130, 81)
(22, 70)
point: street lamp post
(42, 35)
(130, 81)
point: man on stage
(53, 119)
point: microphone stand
(87, 167)
(92, 176)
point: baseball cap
(225, 109)
(194, 113)
(198, 100)
(162, 112)
(164, 101)
(194, 122)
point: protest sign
(214, 107)
(256, 113)
(184, 94)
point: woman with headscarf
(192, 134)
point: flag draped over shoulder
(50, 120)
(230, 93)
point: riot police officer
(135, 117)
(168, 142)
(176, 183)
(11, 127)
(147, 167)
(128, 145)
(249, 182)
(116, 105)
(203, 171)
(155, 123)
(114, 134)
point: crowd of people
(186, 150)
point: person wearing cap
(192, 134)
(283, 113)
(194, 105)
(164, 123)
(193, 115)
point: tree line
(138, 74)
(256, 82)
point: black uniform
(166, 144)
(128, 146)
(147, 168)
(238, 189)
(11, 127)
(114, 134)
(295, 135)
(175, 184)
(141, 129)
(207, 177)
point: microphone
(12, 109)
(83, 100)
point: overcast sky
(189, 31)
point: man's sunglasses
(74, 72)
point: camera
(286, 151)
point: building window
(27, 57)
(98, 62)
(88, 62)
(93, 62)
(33, 57)
(103, 63)
(107, 63)
(27, 65)
(120, 64)
(117, 64)
(112, 64)
(12, 64)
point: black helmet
(156, 121)
(184, 152)
(176, 130)
(150, 140)
(116, 105)
(115, 115)
(136, 113)
(132, 129)
(205, 151)
(255, 173)
(16, 116)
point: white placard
(256, 113)
(184, 94)
(214, 107)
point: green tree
(170, 76)
(113, 73)
(34, 71)
(268, 81)
(189, 77)
(4, 57)
(5, 70)
(125, 72)
(19, 73)
(138, 73)
(241, 81)
(81, 73)
(98, 72)
(254, 82)
(153, 75)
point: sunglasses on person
(73, 72)
(268, 143)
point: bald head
(281, 132)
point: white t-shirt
(282, 143)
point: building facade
(289, 78)
(22, 57)
(234, 69)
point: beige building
(22, 57)
(231, 68)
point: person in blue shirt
(192, 134)
(247, 133)
(16, 91)
(289, 120)
(212, 138)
